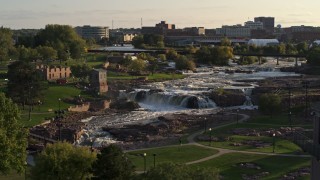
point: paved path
(225, 151)
(221, 151)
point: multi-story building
(302, 33)
(268, 23)
(235, 31)
(124, 35)
(98, 80)
(160, 28)
(95, 32)
(54, 72)
(253, 25)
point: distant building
(263, 42)
(95, 32)
(253, 25)
(124, 35)
(98, 80)
(164, 25)
(268, 23)
(210, 32)
(54, 72)
(235, 31)
(160, 28)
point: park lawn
(277, 166)
(282, 146)
(35, 118)
(50, 104)
(176, 154)
(281, 120)
(53, 93)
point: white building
(263, 42)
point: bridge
(277, 56)
(163, 51)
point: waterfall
(248, 93)
(192, 101)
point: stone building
(98, 80)
(54, 72)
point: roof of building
(100, 70)
(263, 42)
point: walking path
(222, 151)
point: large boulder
(124, 104)
(228, 98)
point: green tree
(63, 161)
(313, 56)
(184, 63)
(215, 55)
(25, 85)
(62, 38)
(169, 171)
(6, 43)
(225, 42)
(13, 138)
(172, 54)
(112, 163)
(81, 71)
(138, 41)
(270, 103)
(302, 48)
(137, 65)
(47, 53)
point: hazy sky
(128, 13)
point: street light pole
(59, 103)
(273, 141)
(306, 84)
(237, 116)
(25, 170)
(205, 125)
(145, 162)
(58, 120)
(154, 160)
(210, 130)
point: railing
(307, 144)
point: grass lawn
(277, 166)
(50, 104)
(281, 120)
(156, 76)
(176, 154)
(282, 146)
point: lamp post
(154, 160)
(25, 170)
(58, 120)
(290, 121)
(59, 103)
(306, 85)
(145, 162)
(210, 130)
(205, 125)
(39, 103)
(237, 116)
(273, 141)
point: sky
(17, 14)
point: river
(173, 96)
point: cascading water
(248, 93)
(193, 101)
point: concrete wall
(79, 108)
